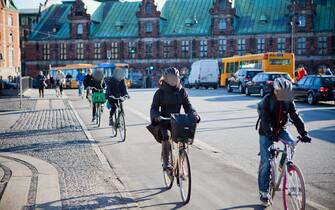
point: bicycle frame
(176, 149)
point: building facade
(9, 41)
(182, 32)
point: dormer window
(222, 24)
(301, 21)
(263, 19)
(148, 27)
(80, 29)
(119, 25)
(222, 4)
(148, 8)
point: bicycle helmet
(283, 89)
(171, 77)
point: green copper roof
(120, 14)
(261, 16)
(325, 15)
(179, 13)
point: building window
(185, 45)
(10, 20)
(46, 51)
(222, 4)
(301, 45)
(261, 45)
(131, 50)
(80, 51)
(322, 45)
(148, 27)
(148, 49)
(115, 50)
(302, 21)
(222, 24)
(148, 8)
(222, 47)
(241, 46)
(63, 54)
(166, 49)
(97, 50)
(302, 3)
(203, 48)
(80, 29)
(281, 44)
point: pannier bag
(98, 97)
(183, 128)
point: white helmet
(283, 87)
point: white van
(204, 73)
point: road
(224, 157)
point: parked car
(204, 73)
(7, 85)
(240, 78)
(262, 83)
(315, 88)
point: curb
(103, 160)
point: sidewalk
(55, 157)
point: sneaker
(93, 119)
(265, 199)
(167, 166)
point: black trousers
(113, 104)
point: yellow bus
(272, 61)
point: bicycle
(119, 121)
(181, 169)
(98, 100)
(293, 185)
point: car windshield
(275, 76)
(252, 73)
(329, 81)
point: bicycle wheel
(294, 195)
(122, 126)
(168, 174)
(98, 114)
(184, 176)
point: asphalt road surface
(224, 157)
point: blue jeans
(80, 87)
(264, 165)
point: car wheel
(261, 92)
(310, 99)
(215, 87)
(241, 89)
(247, 93)
(229, 88)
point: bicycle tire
(184, 177)
(98, 114)
(122, 126)
(168, 175)
(287, 195)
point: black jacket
(168, 100)
(87, 80)
(116, 88)
(270, 115)
(41, 81)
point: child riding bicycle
(167, 100)
(275, 109)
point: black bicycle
(98, 100)
(118, 118)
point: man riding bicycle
(167, 100)
(275, 109)
(116, 87)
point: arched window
(148, 8)
(302, 21)
(80, 29)
(222, 24)
(222, 4)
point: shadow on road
(254, 206)
(325, 134)
(231, 98)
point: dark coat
(270, 115)
(116, 88)
(168, 100)
(87, 80)
(41, 81)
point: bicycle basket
(98, 97)
(183, 128)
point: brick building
(9, 40)
(182, 32)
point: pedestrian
(328, 72)
(80, 81)
(60, 79)
(301, 73)
(52, 82)
(87, 81)
(41, 84)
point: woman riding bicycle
(168, 99)
(276, 108)
(97, 84)
(116, 86)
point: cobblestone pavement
(13, 104)
(55, 135)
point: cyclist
(275, 110)
(80, 80)
(116, 86)
(60, 79)
(97, 84)
(168, 99)
(87, 80)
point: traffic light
(151, 68)
(132, 51)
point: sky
(29, 4)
